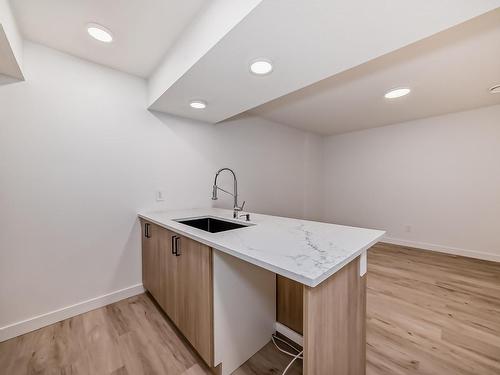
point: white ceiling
(307, 41)
(341, 55)
(448, 72)
(143, 30)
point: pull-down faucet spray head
(236, 207)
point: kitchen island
(328, 260)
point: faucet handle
(237, 209)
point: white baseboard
(36, 322)
(289, 333)
(443, 249)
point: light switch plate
(160, 195)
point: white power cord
(273, 337)
(295, 356)
(293, 360)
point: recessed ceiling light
(198, 104)
(495, 89)
(99, 32)
(261, 67)
(397, 93)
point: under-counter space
(304, 251)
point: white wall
(80, 155)
(439, 175)
(278, 167)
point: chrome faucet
(236, 207)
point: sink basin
(212, 225)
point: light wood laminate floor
(428, 313)
(431, 313)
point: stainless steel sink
(212, 225)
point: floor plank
(427, 314)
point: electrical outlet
(160, 195)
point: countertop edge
(348, 260)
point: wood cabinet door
(181, 283)
(150, 259)
(194, 285)
(168, 274)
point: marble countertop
(305, 251)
